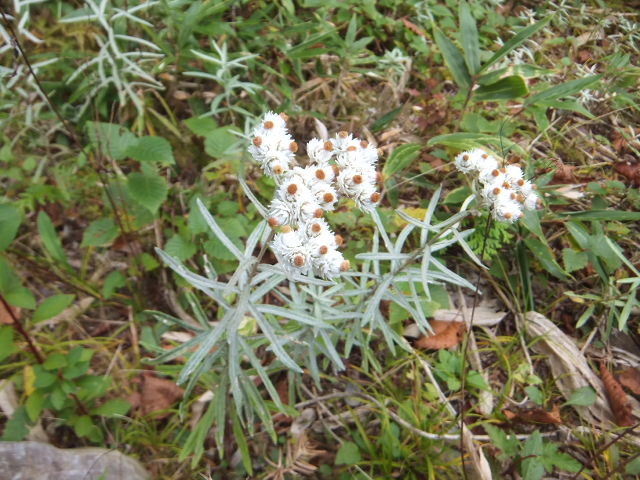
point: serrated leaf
(17, 427)
(469, 38)
(453, 58)
(180, 248)
(532, 468)
(348, 454)
(116, 406)
(563, 90)
(515, 42)
(582, 397)
(201, 125)
(506, 88)
(50, 240)
(574, 260)
(151, 149)
(100, 233)
(52, 306)
(401, 157)
(219, 141)
(10, 219)
(7, 347)
(149, 190)
(110, 138)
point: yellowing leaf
(29, 380)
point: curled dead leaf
(630, 378)
(445, 335)
(620, 404)
(155, 394)
(534, 415)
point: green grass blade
(469, 38)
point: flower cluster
(505, 189)
(343, 166)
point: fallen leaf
(482, 316)
(6, 317)
(618, 400)
(445, 335)
(629, 170)
(630, 378)
(535, 415)
(413, 27)
(155, 394)
(564, 173)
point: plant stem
(18, 326)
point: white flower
(531, 201)
(331, 264)
(291, 250)
(282, 213)
(513, 174)
(325, 195)
(319, 151)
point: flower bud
(339, 240)
(293, 146)
(268, 125)
(273, 222)
(328, 197)
(364, 144)
(277, 169)
(352, 148)
(292, 189)
(375, 197)
(286, 229)
(328, 146)
(323, 250)
(284, 116)
(320, 175)
(318, 213)
(343, 134)
(316, 227)
(298, 261)
(357, 179)
(344, 266)
(257, 141)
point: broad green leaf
(150, 190)
(469, 39)
(348, 454)
(535, 394)
(453, 58)
(115, 406)
(515, 42)
(582, 397)
(551, 458)
(574, 260)
(17, 427)
(20, 297)
(55, 361)
(100, 233)
(532, 468)
(111, 139)
(10, 219)
(151, 149)
(7, 347)
(83, 426)
(633, 467)
(531, 222)
(201, 125)
(385, 120)
(563, 90)
(219, 141)
(34, 404)
(401, 158)
(52, 306)
(545, 256)
(180, 248)
(112, 282)
(50, 240)
(506, 88)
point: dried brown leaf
(630, 378)
(535, 415)
(155, 394)
(629, 170)
(413, 27)
(618, 400)
(445, 335)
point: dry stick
(465, 346)
(68, 127)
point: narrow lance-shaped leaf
(469, 39)
(504, 89)
(515, 42)
(562, 90)
(453, 58)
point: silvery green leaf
(194, 279)
(382, 231)
(452, 277)
(262, 373)
(247, 191)
(374, 301)
(331, 350)
(168, 320)
(290, 314)
(280, 353)
(217, 231)
(402, 237)
(204, 348)
(382, 256)
(254, 237)
(465, 246)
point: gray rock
(41, 461)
